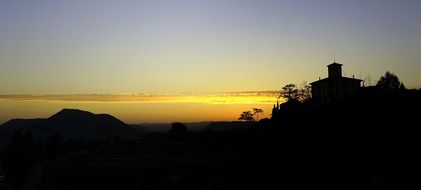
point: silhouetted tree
(246, 116)
(389, 83)
(304, 92)
(178, 132)
(257, 112)
(289, 92)
(292, 92)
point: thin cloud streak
(251, 97)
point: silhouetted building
(335, 85)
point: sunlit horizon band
(250, 97)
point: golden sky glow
(142, 108)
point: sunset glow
(142, 108)
(260, 97)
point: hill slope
(70, 123)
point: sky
(201, 46)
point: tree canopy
(246, 116)
(389, 83)
(292, 92)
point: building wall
(334, 89)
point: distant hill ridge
(70, 123)
(79, 118)
(75, 123)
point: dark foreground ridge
(368, 141)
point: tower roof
(334, 64)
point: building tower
(334, 70)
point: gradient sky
(101, 46)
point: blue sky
(100, 46)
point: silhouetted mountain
(227, 126)
(71, 123)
